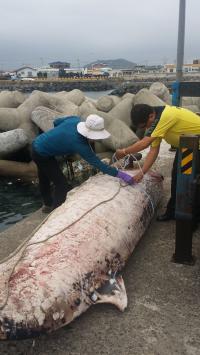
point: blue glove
(125, 177)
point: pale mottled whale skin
(58, 279)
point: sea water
(96, 94)
(17, 201)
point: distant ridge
(113, 63)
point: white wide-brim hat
(93, 128)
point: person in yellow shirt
(164, 122)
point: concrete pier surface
(162, 317)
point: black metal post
(186, 198)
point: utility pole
(176, 99)
(181, 40)
(78, 63)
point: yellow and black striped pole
(186, 161)
(186, 193)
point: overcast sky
(36, 32)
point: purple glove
(127, 178)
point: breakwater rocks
(20, 125)
(119, 86)
(23, 117)
(133, 86)
(27, 86)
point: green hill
(113, 63)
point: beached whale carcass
(72, 261)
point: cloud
(39, 31)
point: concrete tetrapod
(11, 98)
(12, 141)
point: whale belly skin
(74, 258)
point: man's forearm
(138, 146)
(135, 148)
(150, 159)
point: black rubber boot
(167, 216)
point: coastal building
(48, 72)
(196, 61)
(138, 69)
(187, 68)
(26, 72)
(4, 75)
(98, 69)
(97, 66)
(74, 70)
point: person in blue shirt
(69, 136)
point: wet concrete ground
(162, 317)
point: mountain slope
(113, 63)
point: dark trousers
(172, 201)
(49, 171)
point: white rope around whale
(123, 166)
(25, 244)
